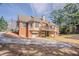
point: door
(33, 35)
(46, 33)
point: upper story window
(24, 24)
(37, 25)
(31, 25)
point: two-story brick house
(30, 26)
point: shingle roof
(24, 18)
(33, 19)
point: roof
(24, 18)
(30, 18)
(34, 19)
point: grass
(69, 38)
(69, 35)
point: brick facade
(26, 31)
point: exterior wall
(22, 30)
(35, 33)
(36, 28)
(52, 34)
(42, 33)
(29, 26)
(30, 32)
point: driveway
(38, 41)
(35, 47)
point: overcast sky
(11, 11)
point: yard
(69, 38)
(36, 50)
(64, 45)
(63, 20)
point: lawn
(68, 35)
(69, 38)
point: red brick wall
(24, 31)
(29, 34)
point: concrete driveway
(35, 47)
(38, 41)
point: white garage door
(33, 35)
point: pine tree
(3, 24)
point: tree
(3, 24)
(57, 16)
(71, 10)
(67, 18)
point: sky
(12, 10)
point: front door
(46, 33)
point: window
(36, 25)
(31, 25)
(23, 24)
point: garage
(34, 34)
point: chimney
(43, 17)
